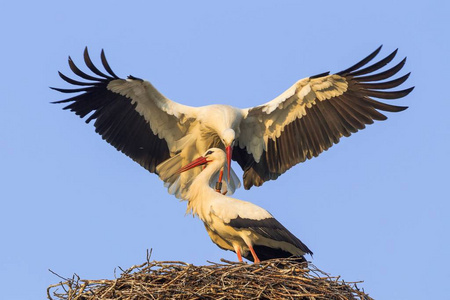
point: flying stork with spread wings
(267, 140)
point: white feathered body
(218, 213)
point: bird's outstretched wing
(312, 115)
(130, 114)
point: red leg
(219, 183)
(238, 252)
(255, 258)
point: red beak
(195, 163)
(229, 154)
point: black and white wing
(312, 115)
(130, 114)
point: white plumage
(236, 225)
(266, 140)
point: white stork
(266, 140)
(243, 227)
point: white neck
(200, 192)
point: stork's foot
(238, 253)
(255, 257)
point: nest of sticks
(273, 279)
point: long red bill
(229, 154)
(197, 162)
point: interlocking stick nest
(273, 279)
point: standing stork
(267, 140)
(243, 227)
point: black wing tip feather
(106, 65)
(361, 63)
(92, 67)
(357, 71)
(92, 81)
(383, 75)
(374, 67)
(320, 75)
(134, 78)
(388, 95)
(266, 253)
(370, 81)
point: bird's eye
(209, 152)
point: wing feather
(362, 63)
(385, 85)
(129, 114)
(106, 65)
(313, 114)
(92, 67)
(376, 66)
(269, 228)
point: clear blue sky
(373, 208)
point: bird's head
(211, 155)
(228, 137)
